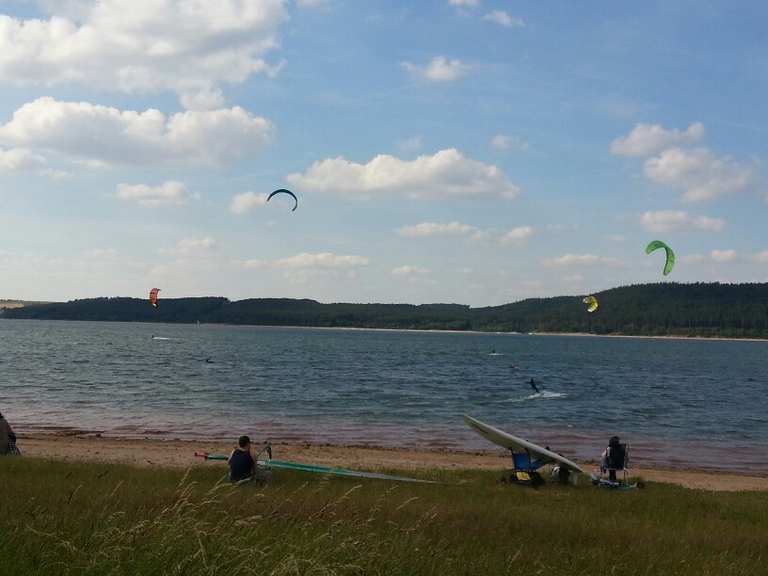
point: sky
(469, 151)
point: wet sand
(180, 453)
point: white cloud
(439, 69)
(312, 3)
(484, 235)
(581, 260)
(502, 18)
(693, 258)
(101, 253)
(170, 193)
(410, 271)
(412, 144)
(698, 174)
(424, 229)
(668, 220)
(464, 3)
(203, 100)
(761, 257)
(720, 256)
(105, 135)
(56, 174)
(247, 201)
(516, 236)
(187, 246)
(141, 45)
(558, 228)
(20, 159)
(446, 174)
(723, 255)
(305, 260)
(504, 142)
(648, 139)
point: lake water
(678, 402)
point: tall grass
(97, 519)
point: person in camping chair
(241, 463)
(7, 438)
(613, 458)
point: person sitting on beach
(7, 439)
(613, 458)
(241, 464)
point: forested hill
(728, 310)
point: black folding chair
(617, 461)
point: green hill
(726, 310)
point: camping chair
(524, 470)
(617, 460)
(13, 449)
(263, 474)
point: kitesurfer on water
(241, 463)
(7, 438)
(533, 385)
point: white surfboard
(516, 444)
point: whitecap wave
(544, 394)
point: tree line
(701, 309)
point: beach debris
(591, 303)
(670, 262)
(153, 296)
(284, 191)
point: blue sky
(470, 151)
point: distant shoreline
(417, 330)
(497, 333)
(638, 336)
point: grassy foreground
(76, 518)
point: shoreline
(416, 330)
(180, 454)
(635, 336)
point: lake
(678, 402)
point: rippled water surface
(679, 402)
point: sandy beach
(180, 453)
(643, 337)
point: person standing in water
(533, 385)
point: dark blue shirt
(240, 465)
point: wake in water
(545, 394)
(164, 338)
